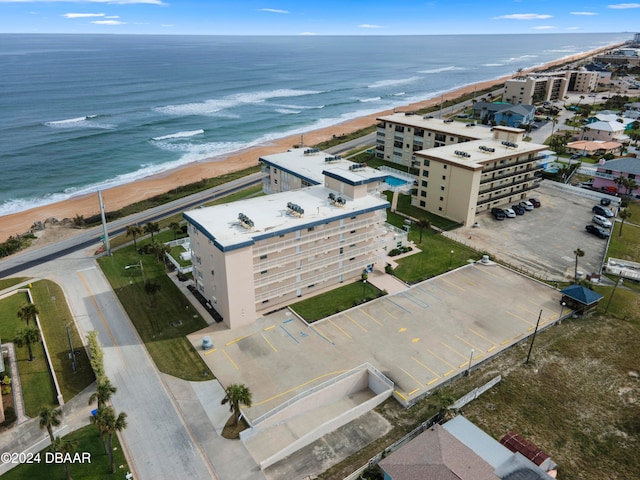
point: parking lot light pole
(562, 305)
(533, 338)
(468, 372)
(450, 259)
(364, 287)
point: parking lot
(541, 241)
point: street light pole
(467, 373)
(450, 259)
(533, 339)
(562, 305)
(364, 286)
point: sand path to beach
(118, 197)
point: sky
(313, 17)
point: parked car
(602, 221)
(509, 213)
(498, 213)
(519, 209)
(535, 202)
(597, 231)
(576, 156)
(605, 202)
(527, 205)
(600, 210)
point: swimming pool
(395, 181)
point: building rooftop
(438, 125)
(593, 145)
(622, 165)
(610, 126)
(310, 165)
(473, 155)
(269, 216)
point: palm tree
(619, 181)
(624, 215)
(114, 424)
(152, 227)
(49, 418)
(27, 336)
(64, 446)
(422, 224)
(100, 419)
(160, 249)
(175, 226)
(104, 390)
(578, 253)
(27, 312)
(236, 394)
(152, 288)
(134, 231)
(630, 184)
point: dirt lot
(542, 241)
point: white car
(602, 221)
(527, 205)
(509, 212)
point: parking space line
(229, 358)
(413, 391)
(453, 284)
(330, 374)
(399, 306)
(390, 314)
(415, 340)
(236, 340)
(448, 373)
(340, 328)
(289, 333)
(420, 384)
(441, 359)
(356, 323)
(414, 299)
(493, 345)
(483, 270)
(211, 351)
(476, 349)
(519, 317)
(270, 344)
(377, 321)
(453, 350)
(270, 327)
(321, 333)
(426, 368)
(428, 292)
(400, 395)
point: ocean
(80, 113)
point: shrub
(388, 269)
(6, 389)
(6, 380)
(394, 252)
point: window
(354, 217)
(424, 183)
(311, 229)
(423, 193)
(444, 177)
(341, 250)
(275, 181)
(440, 137)
(352, 259)
(281, 235)
(275, 170)
(425, 163)
(263, 272)
(352, 231)
(262, 257)
(442, 188)
(444, 167)
(631, 176)
(422, 204)
(442, 199)
(425, 173)
(440, 209)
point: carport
(580, 299)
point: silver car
(602, 221)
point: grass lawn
(162, 320)
(176, 252)
(35, 378)
(54, 317)
(10, 282)
(88, 440)
(434, 259)
(335, 301)
(404, 206)
(627, 246)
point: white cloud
(113, 2)
(368, 25)
(82, 15)
(584, 13)
(108, 22)
(272, 10)
(112, 16)
(523, 16)
(544, 27)
(624, 5)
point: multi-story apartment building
(462, 180)
(262, 253)
(401, 135)
(535, 88)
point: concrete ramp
(315, 413)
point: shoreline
(126, 194)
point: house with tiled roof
(607, 131)
(605, 175)
(595, 147)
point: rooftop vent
(460, 153)
(448, 120)
(487, 149)
(509, 144)
(332, 159)
(337, 201)
(357, 166)
(245, 221)
(311, 151)
(295, 209)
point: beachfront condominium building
(460, 181)
(401, 135)
(535, 89)
(263, 253)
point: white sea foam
(286, 111)
(390, 82)
(79, 122)
(522, 57)
(372, 99)
(212, 106)
(180, 135)
(399, 94)
(492, 64)
(440, 70)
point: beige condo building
(535, 89)
(262, 253)
(460, 181)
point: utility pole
(533, 339)
(107, 246)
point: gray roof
(479, 441)
(623, 165)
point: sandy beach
(123, 195)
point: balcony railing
(509, 175)
(507, 165)
(535, 185)
(502, 186)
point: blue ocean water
(82, 112)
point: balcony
(502, 186)
(484, 181)
(535, 185)
(507, 165)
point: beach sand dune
(124, 195)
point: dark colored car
(600, 210)
(518, 209)
(535, 202)
(605, 202)
(597, 231)
(498, 213)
